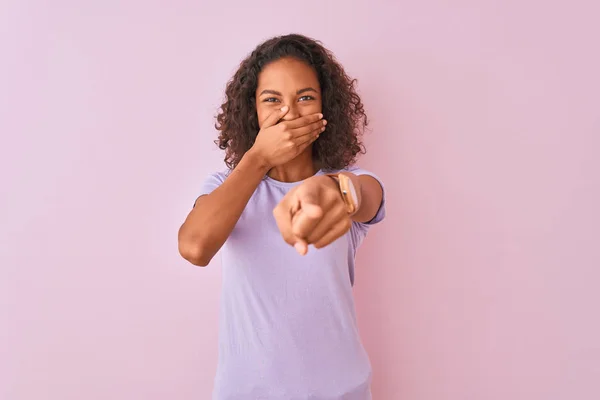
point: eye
(270, 100)
(306, 98)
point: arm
(315, 213)
(370, 196)
(214, 215)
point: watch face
(353, 192)
(349, 193)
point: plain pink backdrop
(481, 284)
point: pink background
(482, 283)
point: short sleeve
(212, 182)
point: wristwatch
(348, 191)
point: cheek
(263, 110)
(312, 107)
(261, 114)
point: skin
(289, 110)
(292, 83)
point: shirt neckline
(290, 184)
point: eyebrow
(308, 89)
(276, 93)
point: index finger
(274, 117)
(303, 121)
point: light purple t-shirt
(287, 325)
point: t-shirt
(287, 324)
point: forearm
(214, 216)
(370, 194)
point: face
(288, 82)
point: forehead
(287, 73)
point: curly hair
(237, 120)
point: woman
(290, 126)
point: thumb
(307, 198)
(275, 116)
(311, 209)
(306, 206)
(308, 195)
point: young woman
(288, 215)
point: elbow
(199, 262)
(195, 257)
(195, 247)
(195, 253)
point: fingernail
(324, 122)
(284, 108)
(322, 129)
(300, 248)
(320, 116)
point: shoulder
(218, 176)
(213, 180)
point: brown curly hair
(237, 120)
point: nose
(293, 113)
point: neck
(298, 169)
